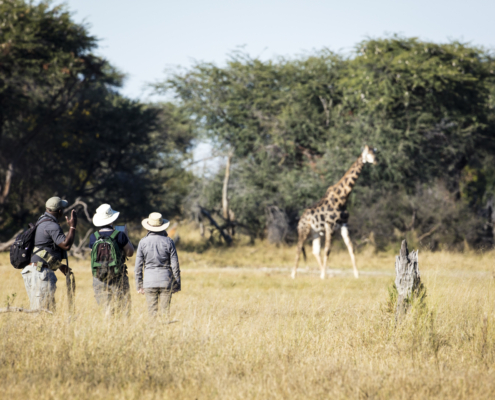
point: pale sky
(144, 38)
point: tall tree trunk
(225, 198)
(7, 183)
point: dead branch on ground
(17, 309)
(207, 214)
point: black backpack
(22, 249)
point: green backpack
(106, 257)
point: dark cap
(56, 203)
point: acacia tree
(65, 130)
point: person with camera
(50, 247)
(157, 259)
(109, 249)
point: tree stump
(407, 280)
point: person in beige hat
(157, 258)
(50, 247)
(110, 280)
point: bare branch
(413, 220)
(6, 245)
(198, 161)
(326, 107)
(6, 185)
(81, 203)
(429, 232)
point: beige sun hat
(105, 215)
(155, 222)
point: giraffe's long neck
(343, 188)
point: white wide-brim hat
(105, 215)
(155, 223)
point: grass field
(247, 331)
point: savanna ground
(247, 331)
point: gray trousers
(41, 287)
(158, 298)
(114, 296)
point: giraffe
(322, 218)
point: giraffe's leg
(303, 234)
(317, 250)
(326, 251)
(347, 240)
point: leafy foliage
(295, 126)
(65, 130)
(427, 106)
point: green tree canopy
(296, 125)
(65, 130)
(426, 105)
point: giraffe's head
(368, 155)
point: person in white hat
(157, 258)
(110, 280)
(50, 247)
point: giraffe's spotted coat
(335, 213)
(323, 217)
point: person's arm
(174, 264)
(69, 239)
(128, 248)
(138, 268)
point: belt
(47, 259)
(40, 265)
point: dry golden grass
(250, 332)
